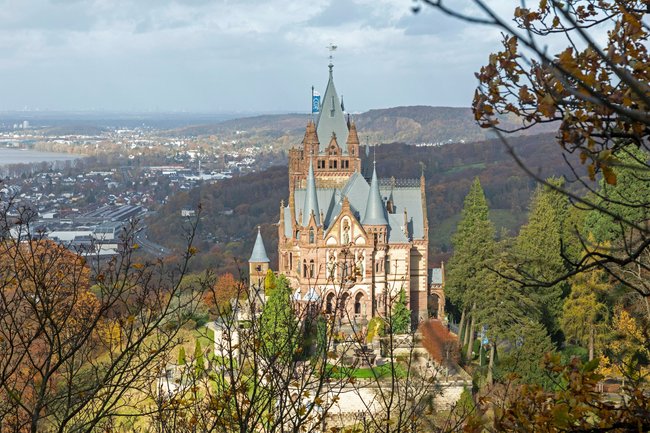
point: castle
(348, 242)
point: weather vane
(331, 47)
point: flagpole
(312, 103)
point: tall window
(311, 236)
(304, 268)
(329, 305)
(312, 268)
(357, 303)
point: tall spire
(311, 200)
(375, 213)
(331, 118)
(259, 251)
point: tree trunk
(470, 345)
(592, 337)
(461, 325)
(467, 330)
(493, 354)
(647, 306)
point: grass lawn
(365, 373)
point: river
(27, 156)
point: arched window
(290, 261)
(311, 268)
(357, 303)
(311, 235)
(342, 305)
(304, 268)
(329, 303)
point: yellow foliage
(626, 343)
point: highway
(150, 247)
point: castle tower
(375, 223)
(258, 264)
(354, 243)
(331, 143)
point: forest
(254, 199)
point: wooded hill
(412, 124)
(233, 208)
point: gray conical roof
(331, 118)
(311, 199)
(375, 211)
(259, 252)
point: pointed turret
(311, 199)
(331, 118)
(375, 213)
(353, 139)
(310, 140)
(259, 251)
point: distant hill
(233, 208)
(413, 124)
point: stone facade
(350, 243)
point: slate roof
(435, 276)
(259, 251)
(331, 119)
(311, 203)
(406, 195)
(375, 213)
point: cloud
(253, 55)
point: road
(150, 247)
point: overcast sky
(233, 55)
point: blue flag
(315, 102)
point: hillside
(414, 124)
(233, 208)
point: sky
(234, 55)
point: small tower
(375, 223)
(258, 265)
(310, 206)
(374, 220)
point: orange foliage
(45, 310)
(441, 344)
(226, 288)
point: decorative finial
(331, 47)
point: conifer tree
(199, 360)
(181, 356)
(530, 343)
(473, 245)
(278, 323)
(629, 198)
(584, 315)
(401, 315)
(539, 254)
(503, 309)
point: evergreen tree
(504, 308)
(269, 282)
(400, 319)
(278, 323)
(584, 316)
(181, 356)
(199, 360)
(473, 250)
(531, 343)
(539, 250)
(629, 198)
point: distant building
(350, 242)
(186, 212)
